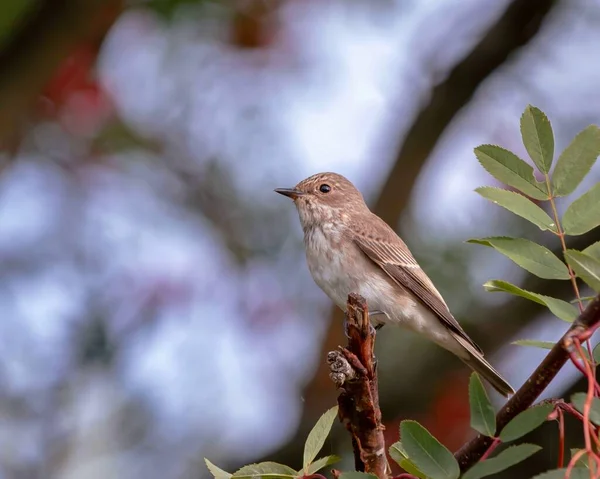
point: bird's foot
(377, 312)
(346, 325)
(372, 329)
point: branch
(354, 372)
(585, 324)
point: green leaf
(538, 138)
(586, 267)
(168, 8)
(576, 161)
(525, 422)
(519, 205)
(596, 353)
(531, 256)
(321, 463)
(217, 472)
(318, 435)
(583, 214)
(357, 475)
(427, 453)
(583, 299)
(576, 473)
(578, 400)
(541, 344)
(398, 454)
(483, 417)
(534, 343)
(266, 469)
(593, 250)
(507, 458)
(561, 309)
(582, 461)
(508, 168)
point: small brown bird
(350, 249)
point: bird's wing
(396, 260)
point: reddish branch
(354, 371)
(581, 329)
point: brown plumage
(350, 249)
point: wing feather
(397, 261)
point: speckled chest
(330, 256)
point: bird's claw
(377, 312)
(346, 327)
(372, 329)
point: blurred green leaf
(12, 14)
(318, 435)
(483, 417)
(593, 250)
(357, 475)
(507, 458)
(583, 214)
(541, 344)
(578, 400)
(526, 422)
(583, 299)
(531, 256)
(519, 205)
(427, 453)
(534, 343)
(321, 463)
(167, 8)
(117, 136)
(508, 168)
(576, 161)
(586, 267)
(582, 461)
(217, 472)
(561, 309)
(272, 470)
(538, 138)
(398, 454)
(596, 353)
(576, 473)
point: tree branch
(354, 371)
(472, 451)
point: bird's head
(324, 197)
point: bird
(349, 249)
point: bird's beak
(289, 192)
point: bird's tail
(477, 363)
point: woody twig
(353, 369)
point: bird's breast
(327, 258)
(339, 268)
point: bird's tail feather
(477, 363)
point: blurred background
(155, 305)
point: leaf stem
(563, 244)
(493, 446)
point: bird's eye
(324, 188)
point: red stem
(493, 446)
(561, 438)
